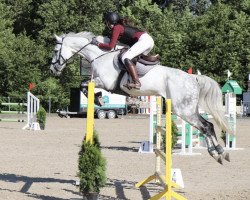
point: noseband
(65, 61)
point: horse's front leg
(98, 100)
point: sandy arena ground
(43, 164)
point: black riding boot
(132, 71)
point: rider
(140, 42)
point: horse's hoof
(226, 156)
(218, 158)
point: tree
(199, 7)
(209, 35)
(6, 42)
(24, 66)
(240, 5)
(216, 43)
(51, 89)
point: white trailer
(114, 105)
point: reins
(104, 55)
(65, 61)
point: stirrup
(132, 85)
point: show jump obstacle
(90, 113)
(147, 146)
(166, 181)
(32, 108)
(231, 88)
(10, 111)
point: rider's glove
(94, 41)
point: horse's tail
(210, 100)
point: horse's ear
(58, 38)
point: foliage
(208, 35)
(174, 136)
(220, 41)
(92, 166)
(51, 89)
(41, 117)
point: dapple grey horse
(187, 92)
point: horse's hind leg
(207, 129)
(214, 148)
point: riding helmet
(112, 17)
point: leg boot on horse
(132, 71)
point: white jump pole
(32, 108)
(151, 121)
(183, 140)
(147, 146)
(230, 104)
(183, 137)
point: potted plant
(174, 136)
(41, 117)
(92, 169)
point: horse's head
(61, 55)
(71, 44)
(75, 43)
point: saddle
(143, 59)
(143, 63)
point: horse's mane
(85, 34)
(89, 36)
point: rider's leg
(143, 45)
(132, 71)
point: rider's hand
(94, 41)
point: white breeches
(143, 46)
